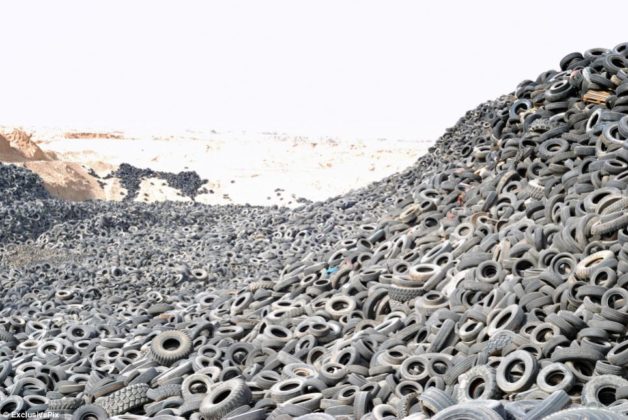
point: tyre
(90, 412)
(509, 379)
(555, 402)
(225, 398)
(164, 391)
(601, 390)
(170, 346)
(124, 400)
(554, 377)
(434, 400)
(64, 405)
(478, 383)
(589, 413)
(195, 384)
(468, 411)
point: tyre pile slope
(487, 281)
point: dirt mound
(92, 135)
(7, 153)
(67, 180)
(17, 146)
(94, 180)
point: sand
(240, 168)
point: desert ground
(240, 167)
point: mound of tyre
(488, 281)
(187, 183)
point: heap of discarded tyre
(488, 281)
(188, 183)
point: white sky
(403, 69)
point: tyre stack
(488, 281)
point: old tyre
(468, 411)
(478, 383)
(170, 346)
(554, 377)
(124, 400)
(601, 390)
(90, 412)
(516, 371)
(224, 398)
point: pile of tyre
(488, 281)
(187, 183)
